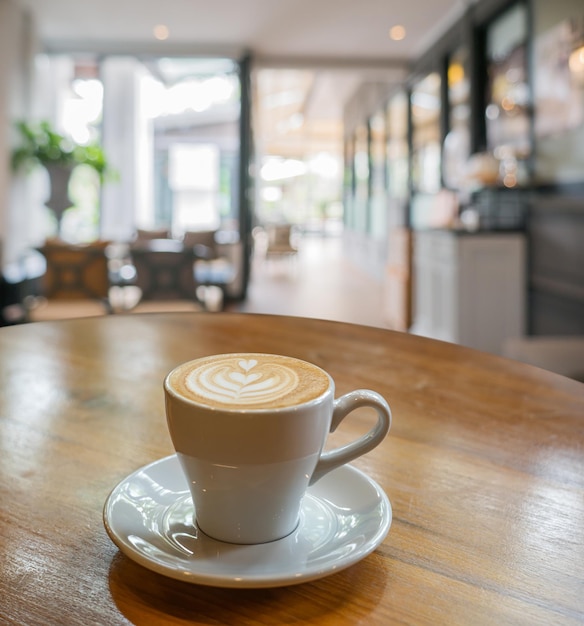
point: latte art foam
(249, 380)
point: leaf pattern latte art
(242, 381)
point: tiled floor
(318, 282)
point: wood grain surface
(484, 467)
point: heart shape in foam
(242, 378)
(234, 381)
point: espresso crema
(248, 380)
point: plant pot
(59, 201)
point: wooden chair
(280, 241)
(213, 270)
(164, 276)
(279, 249)
(202, 238)
(148, 234)
(75, 284)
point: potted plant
(40, 144)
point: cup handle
(342, 407)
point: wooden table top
(484, 467)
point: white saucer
(148, 515)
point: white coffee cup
(249, 431)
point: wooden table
(484, 467)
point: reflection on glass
(507, 115)
(558, 81)
(426, 134)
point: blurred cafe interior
(438, 147)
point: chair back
(280, 240)
(147, 234)
(75, 272)
(206, 238)
(164, 270)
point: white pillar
(126, 141)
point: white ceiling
(345, 41)
(339, 29)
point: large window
(170, 130)
(299, 149)
(349, 182)
(397, 146)
(378, 186)
(194, 116)
(426, 139)
(75, 108)
(456, 150)
(362, 178)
